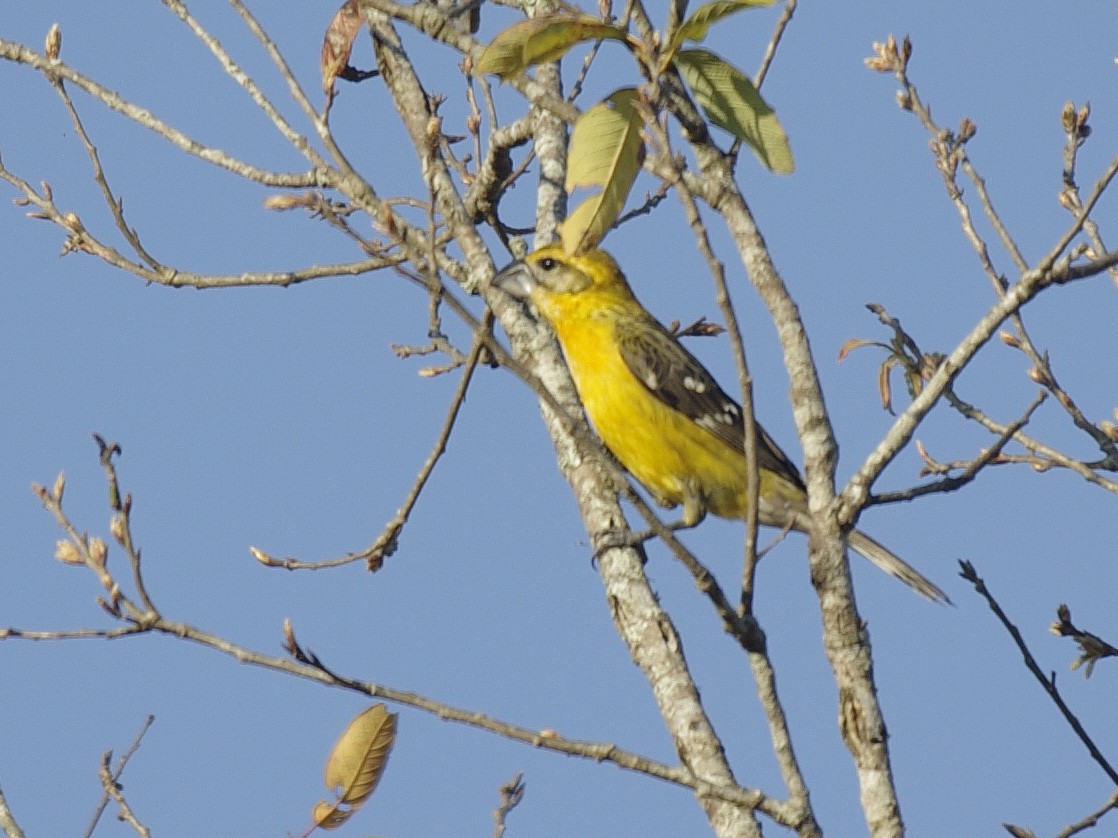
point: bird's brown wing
(679, 380)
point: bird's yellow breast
(661, 447)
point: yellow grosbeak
(657, 408)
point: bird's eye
(549, 264)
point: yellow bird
(657, 408)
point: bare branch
(293, 86)
(113, 789)
(1091, 820)
(1054, 268)
(1032, 283)
(116, 774)
(1043, 457)
(388, 541)
(951, 484)
(80, 239)
(512, 793)
(774, 42)
(969, 573)
(234, 71)
(7, 819)
(20, 54)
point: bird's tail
(896, 566)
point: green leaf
(730, 101)
(696, 26)
(605, 141)
(540, 40)
(606, 150)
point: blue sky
(282, 419)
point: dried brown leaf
(884, 385)
(356, 764)
(852, 344)
(338, 43)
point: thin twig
(79, 238)
(1031, 284)
(232, 69)
(293, 86)
(743, 628)
(512, 793)
(122, 521)
(18, 53)
(951, 155)
(774, 43)
(116, 205)
(1053, 269)
(954, 483)
(116, 774)
(1043, 456)
(1076, 130)
(387, 542)
(969, 573)
(113, 789)
(73, 634)
(1091, 820)
(347, 179)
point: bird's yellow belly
(671, 455)
(663, 449)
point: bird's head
(559, 284)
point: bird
(656, 407)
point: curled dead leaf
(852, 344)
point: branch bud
(283, 202)
(67, 552)
(1067, 117)
(53, 44)
(1083, 114)
(884, 58)
(117, 528)
(98, 552)
(1069, 200)
(263, 557)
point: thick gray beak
(516, 280)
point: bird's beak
(516, 280)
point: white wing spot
(651, 381)
(694, 384)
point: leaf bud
(98, 551)
(67, 552)
(53, 44)
(117, 527)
